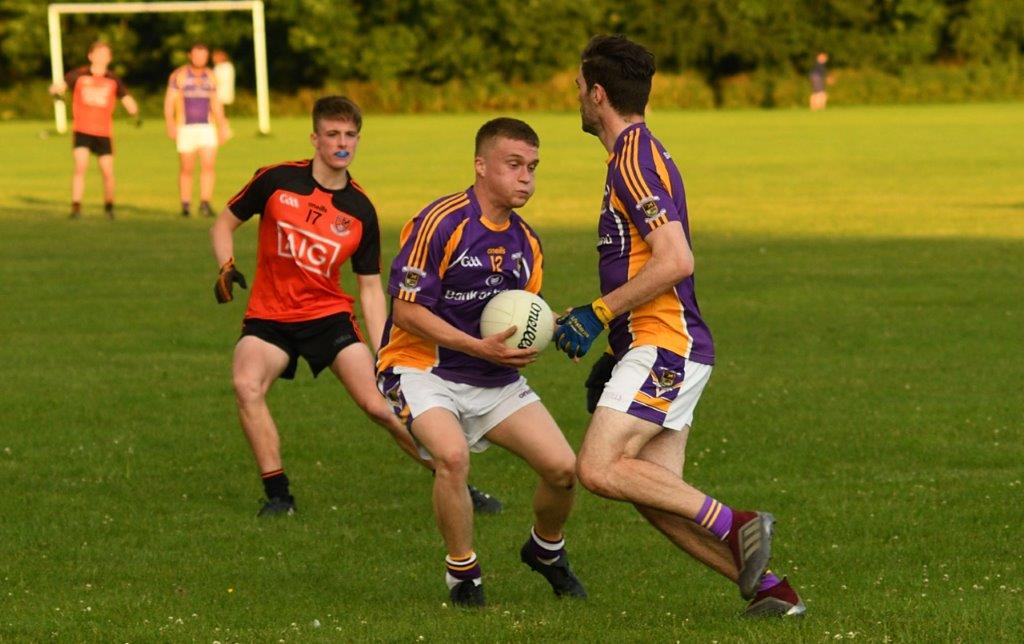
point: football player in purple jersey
(460, 392)
(635, 444)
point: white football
(528, 312)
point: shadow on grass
(60, 208)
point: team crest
(665, 380)
(650, 207)
(411, 281)
(341, 225)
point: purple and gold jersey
(644, 191)
(195, 88)
(453, 261)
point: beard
(588, 125)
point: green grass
(861, 270)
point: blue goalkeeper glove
(578, 329)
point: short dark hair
(508, 128)
(99, 43)
(199, 45)
(623, 68)
(337, 107)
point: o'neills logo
(532, 320)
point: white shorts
(656, 385)
(195, 136)
(479, 409)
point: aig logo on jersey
(310, 251)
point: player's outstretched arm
(418, 320)
(671, 261)
(132, 108)
(374, 307)
(222, 238)
(169, 98)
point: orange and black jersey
(93, 99)
(306, 233)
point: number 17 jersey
(306, 233)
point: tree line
(317, 43)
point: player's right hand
(493, 349)
(229, 275)
(172, 132)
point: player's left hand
(229, 275)
(577, 330)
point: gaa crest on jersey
(411, 277)
(341, 226)
(650, 207)
(665, 380)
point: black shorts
(98, 145)
(319, 341)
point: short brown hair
(99, 43)
(623, 68)
(508, 128)
(337, 107)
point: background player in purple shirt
(196, 123)
(634, 447)
(460, 392)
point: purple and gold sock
(546, 551)
(768, 581)
(460, 569)
(715, 516)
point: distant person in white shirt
(224, 72)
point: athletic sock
(76, 207)
(546, 551)
(715, 516)
(460, 569)
(768, 581)
(275, 484)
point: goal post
(259, 42)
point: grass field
(861, 270)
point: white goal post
(259, 41)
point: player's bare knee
(248, 390)
(593, 477)
(451, 463)
(562, 475)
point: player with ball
(460, 390)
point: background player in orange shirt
(189, 104)
(314, 218)
(94, 94)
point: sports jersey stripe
(533, 285)
(449, 248)
(621, 207)
(260, 173)
(632, 169)
(650, 401)
(418, 259)
(623, 167)
(659, 165)
(422, 240)
(429, 227)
